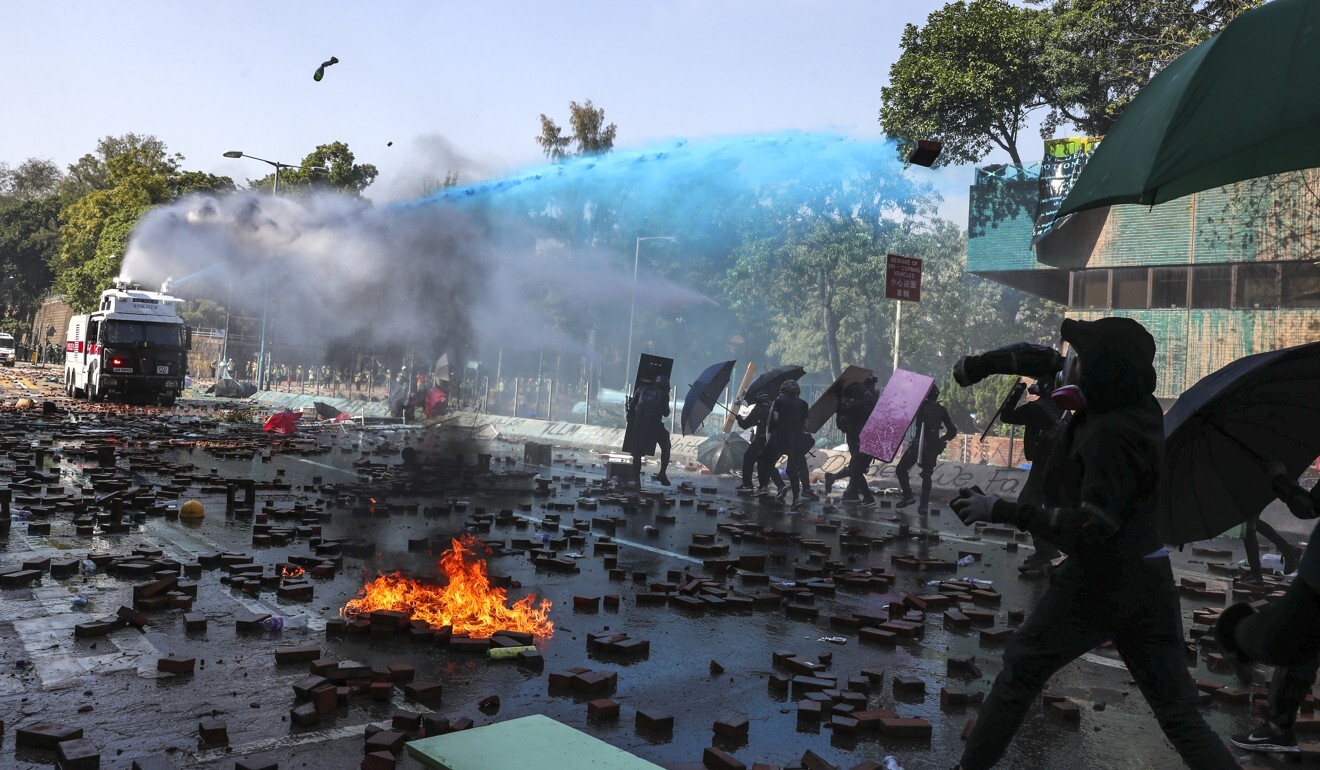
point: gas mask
(1067, 393)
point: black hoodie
(1101, 481)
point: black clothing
(1098, 502)
(647, 409)
(925, 449)
(788, 418)
(1142, 616)
(1041, 422)
(756, 421)
(850, 417)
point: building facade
(1214, 276)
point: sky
(454, 85)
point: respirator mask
(1067, 393)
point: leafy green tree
(590, 134)
(97, 225)
(92, 172)
(34, 178)
(343, 172)
(29, 238)
(967, 78)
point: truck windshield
(133, 333)
(6, 341)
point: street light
(637, 257)
(261, 360)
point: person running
(1099, 503)
(646, 411)
(1291, 683)
(859, 399)
(925, 449)
(788, 421)
(755, 421)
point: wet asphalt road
(109, 686)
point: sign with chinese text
(903, 278)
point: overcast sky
(454, 85)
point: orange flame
(468, 603)
(292, 573)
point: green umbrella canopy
(1241, 105)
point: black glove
(972, 506)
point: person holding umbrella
(755, 420)
(1099, 503)
(1285, 633)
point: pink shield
(893, 413)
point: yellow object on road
(192, 509)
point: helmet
(791, 388)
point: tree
(34, 178)
(968, 78)
(1097, 54)
(978, 68)
(590, 134)
(91, 171)
(343, 173)
(96, 226)
(29, 238)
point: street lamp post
(265, 292)
(637, 258)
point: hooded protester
(647, 409)
(1286, 633)
(859, 399)
(755, 421)
(925, 448)
(788, 420)
(1098, 503)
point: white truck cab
(133, 347)
(8, 350)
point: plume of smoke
(531, 260)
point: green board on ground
(536, 741)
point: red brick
(46, 735)
(300, 654)
(176, 665)
(654, 721)
(423, 692)
(304, 715)
(378, 760)
(715, 759)
(213, 731)
(603, 708)
(905, 728)
(78, 754)
(732, 727)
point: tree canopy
(342, 172)
(975, 70)
(590, 135)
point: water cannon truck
(132, 349)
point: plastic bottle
(79, 601)
(1271, 561)
(966, 560)
(892, 764)
(273, 623)
(89, 566)
(502, 653)
(295, 621)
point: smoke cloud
(534, 260)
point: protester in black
(647, 409)
(925, 448)
(850, 417)
(788, 422)
(755, 421)
(1099, 499)
(1041, 421)
(1294, 615)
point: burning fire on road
(468, 604)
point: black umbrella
(723, 453)
(1226, 429)
(704, 394)
(325, 411)
(770, 381)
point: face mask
(1069, 397)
